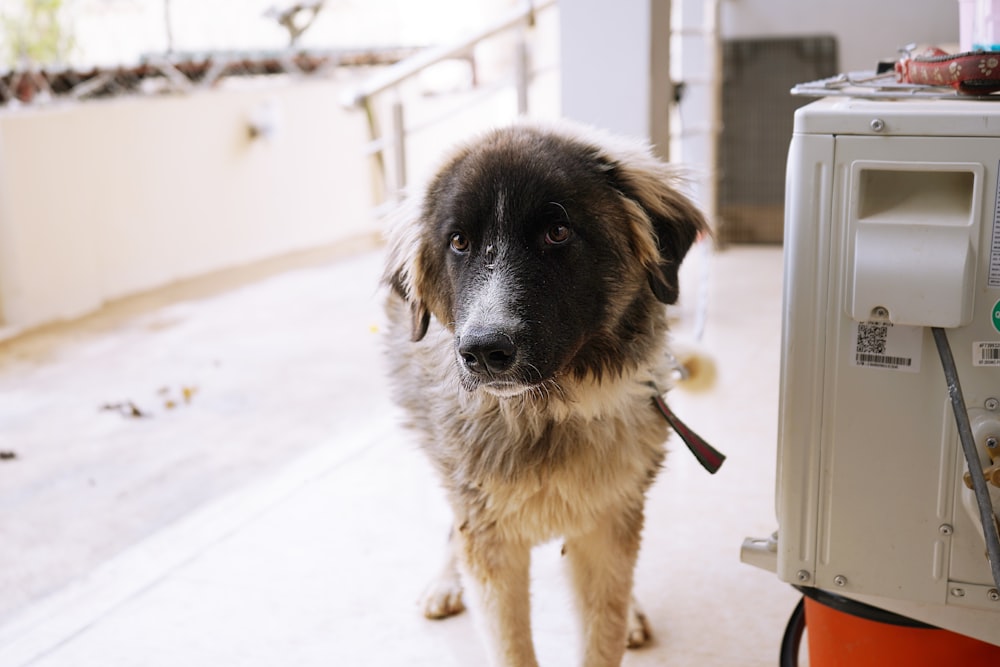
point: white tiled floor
(282, 518)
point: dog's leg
(499, 579)
(601, 564)
(443, 597)
(636, 627)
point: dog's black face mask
(532, 259)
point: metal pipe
(965, 436)
(399, 147)
(521, 75)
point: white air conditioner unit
(892, 226)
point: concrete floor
(281, 517)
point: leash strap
(970, 73)
(709, 457)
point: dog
(526, 337)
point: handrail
(403, 70)
(362, 97)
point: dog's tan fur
(571, 457)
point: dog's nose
(486, 351)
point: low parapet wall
(102, 199)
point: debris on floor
(125, 409)
(170, 401)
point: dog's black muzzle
(487, 352)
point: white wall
(866, 30)
(615, 66)
(103, 199)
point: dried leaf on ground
(125, 409)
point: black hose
(968, 441)
(792, 638)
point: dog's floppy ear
(401, 266)
(676, 222)
(420, 318)
(677, 228)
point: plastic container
(966, 19)
(986, 26)
(840, 638)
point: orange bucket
(838, 638)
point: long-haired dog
(527, 336)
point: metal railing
(364, 96)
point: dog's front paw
(443, 598)
(636, 628)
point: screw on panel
(802, 575)
(991, 442)
(945, 529)
(840, 580)
(880, 313)
(993, 594)
(877, 125)
(958, 592)
(991, 404)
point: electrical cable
(968, 441)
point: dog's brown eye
(459, 243)
(557, 235)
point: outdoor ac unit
(892, 226)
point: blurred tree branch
(34, 33)
(289, 18)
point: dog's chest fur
(538, 466)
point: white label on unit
(986, 353)
(880, 344)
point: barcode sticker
(986, 353)
(881, 344)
